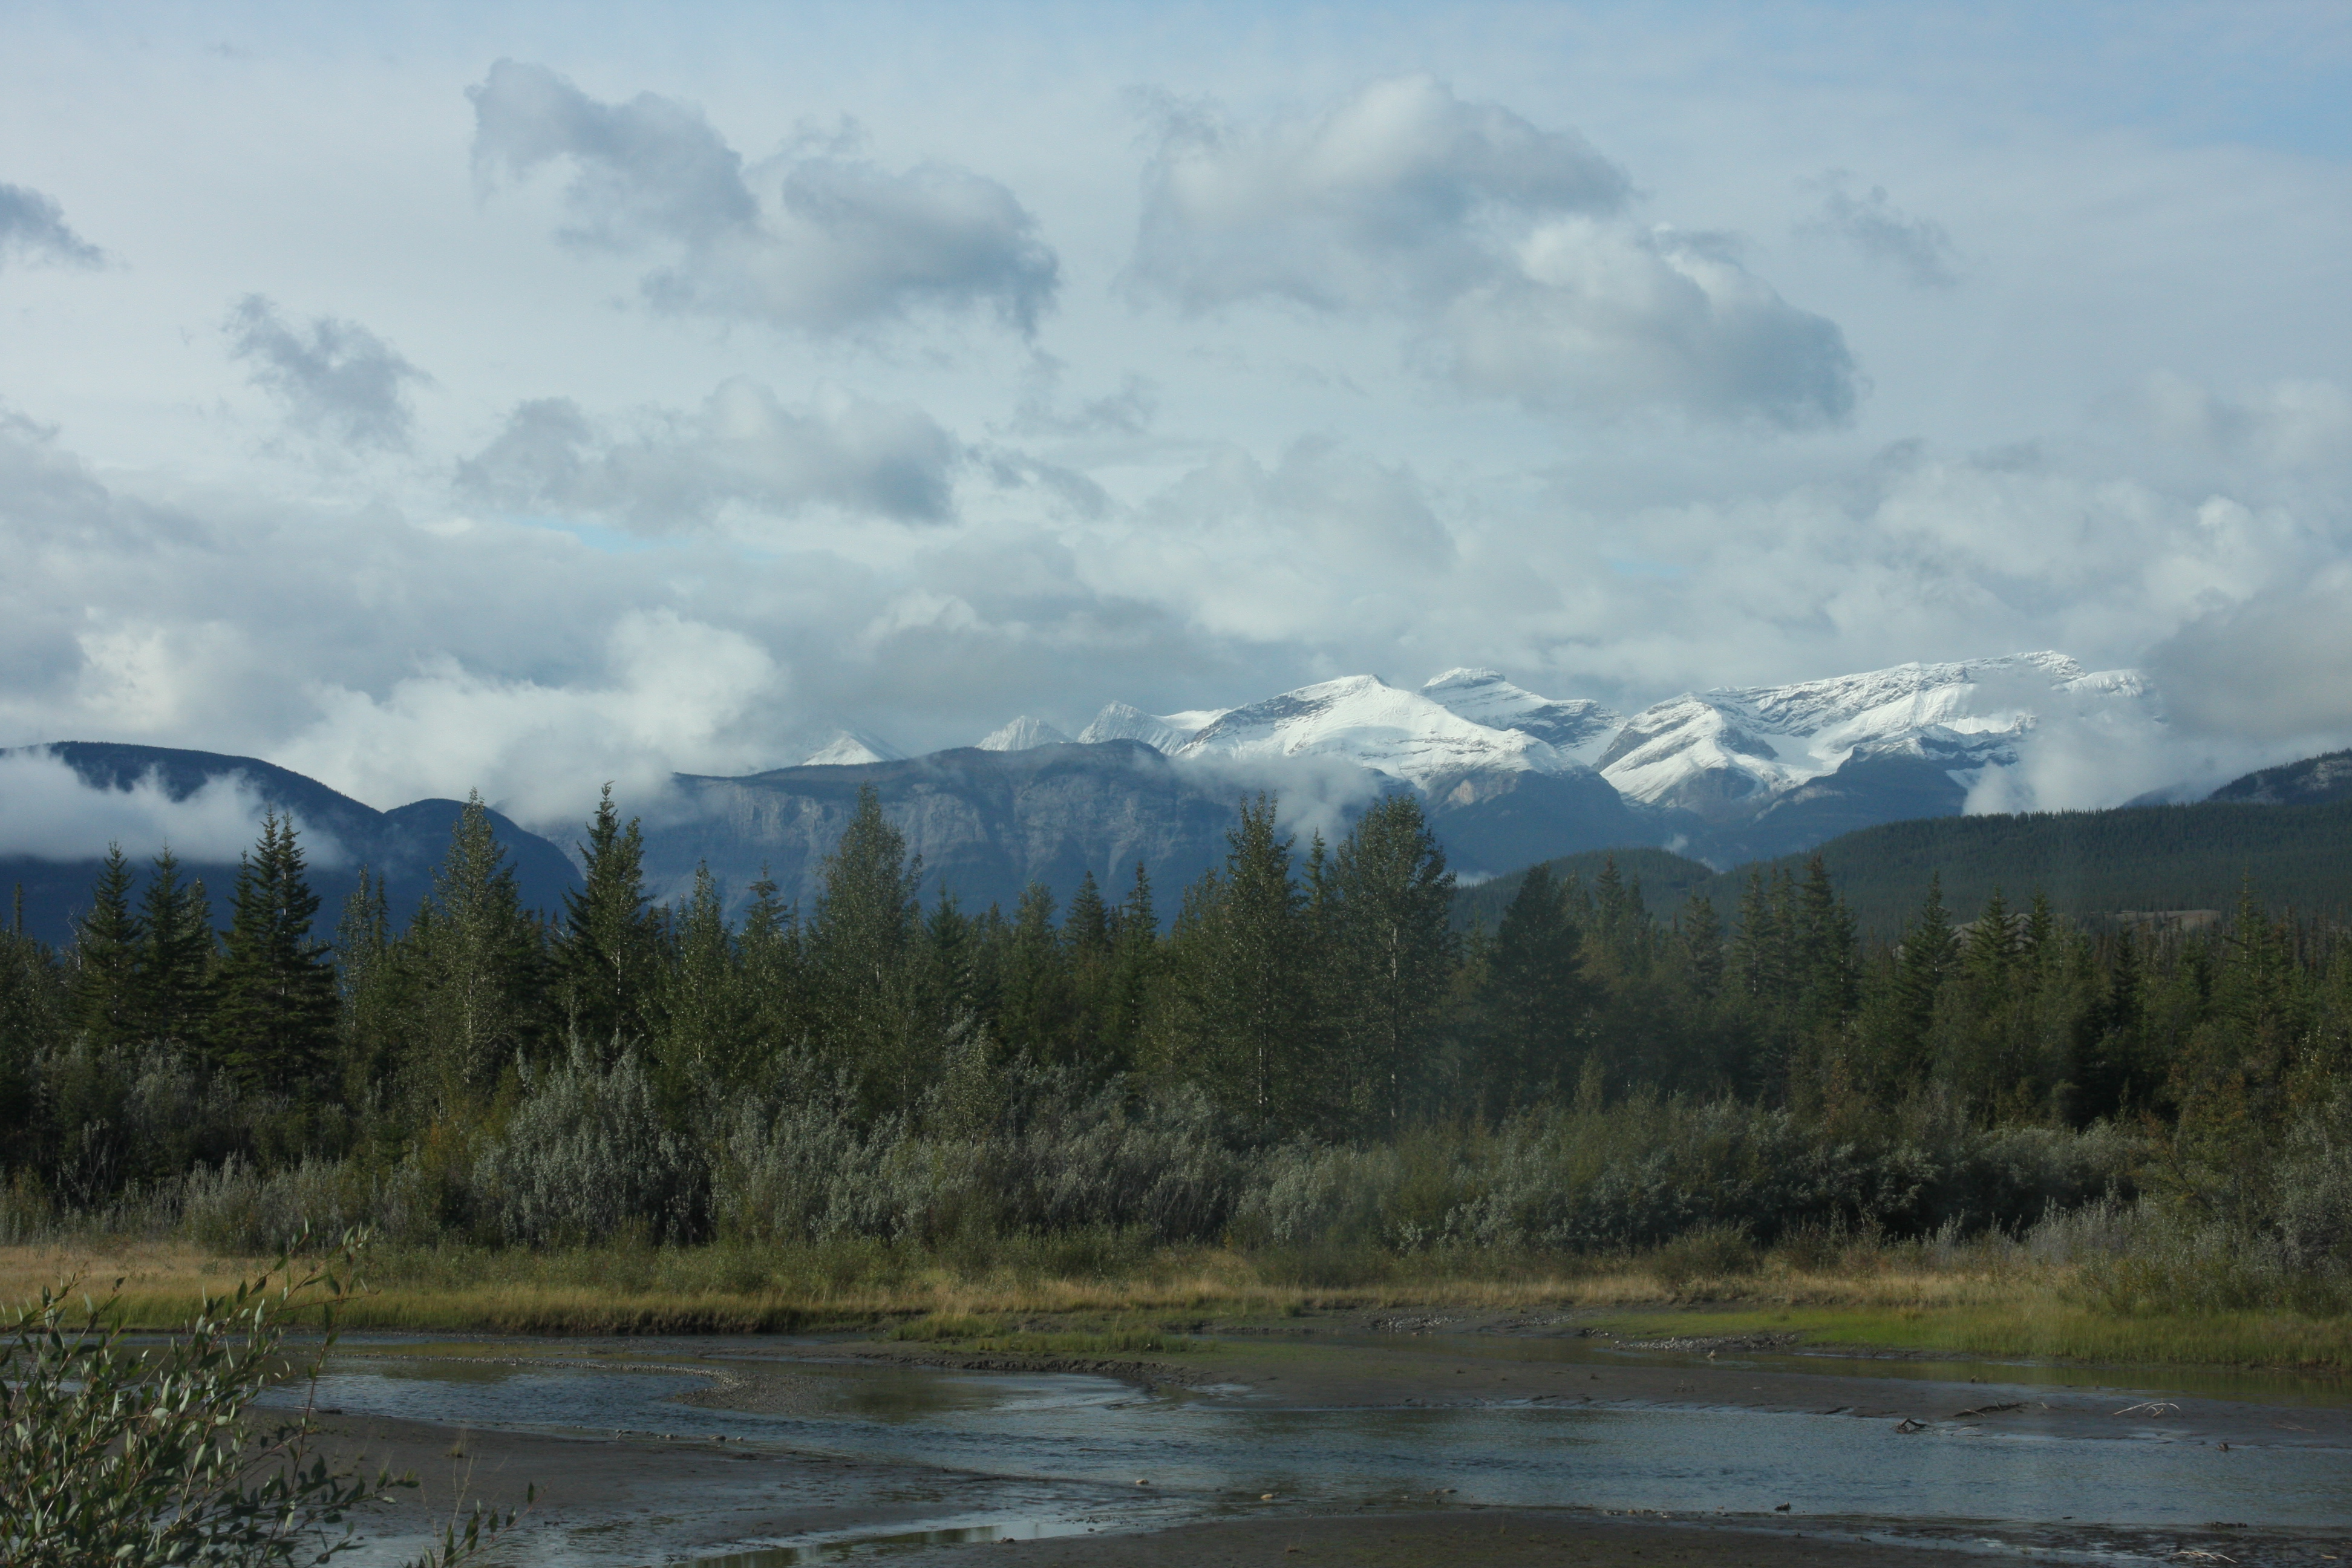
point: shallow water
(1065, 1453)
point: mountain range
(1508, 778)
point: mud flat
(1348, 1440)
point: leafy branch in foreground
(143, 1456)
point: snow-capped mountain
(1733, 751)
(849, 748)
(1577, 727)
(1361, 718)
(1163, 732)
(1023, 734)
(1726, 774)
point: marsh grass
(2045, 1294)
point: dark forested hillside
(2091, 865)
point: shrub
(143, 1458)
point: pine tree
(175, 956)
(106, 958)
(606, 958)
(273, 1027)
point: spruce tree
(175, 955)
(1537, 998)
(703, 1011)
(1388, 899)
(369, 992)
(477, 958)
(273, 1024)
(860, 947)
(1247, 1024)
(106, 958)
(610, 946)
(1925, 959)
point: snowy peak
(1021, 734)
(1726, 751)
(1166, 732)
(1362, 719)
(849, 748)
(1575, 727)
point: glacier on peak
(1021, 735)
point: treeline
(1307, 1051)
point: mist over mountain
(207, 808)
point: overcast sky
(518, 396)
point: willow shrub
(148, 1456)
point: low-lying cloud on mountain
(48, 812)
(500, 401)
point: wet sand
(678, 1496)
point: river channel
(880, 1456)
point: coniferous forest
(1299, 1053)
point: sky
(517, 397)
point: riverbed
(770, 1452)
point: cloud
(1603, 315)
(33, 229)
(666, 470)
(1510, 249)
(1326, 538)
(673, 690)
(1917, 247)
(2274, 666)
(49, 812)
(816, 239)
(335, 379)
(1394, 196)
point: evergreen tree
(274, 1023)
(1537, 999)
(478, 959)
(106, 958)
(370, 995)
(861, 944)
(1925, 959)
(1388, 897)
(705, 1012)
(1244, 1022)
(1036, 1004)
(774, 977)
(610, 947)
(175, 955)
(1701, 930)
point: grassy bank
(1985, 1299)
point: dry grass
(1983, 1303)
